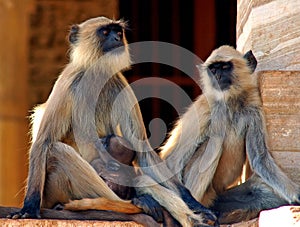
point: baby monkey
(119, 168)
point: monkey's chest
(108, 107)
(231, 161)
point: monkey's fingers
(103, 204)
(149, 206)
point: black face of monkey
(111, 37)
(221, 75)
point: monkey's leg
(70, 177)
(245, 201)
(183, 206)
(198, 175)
(35, 184)
(170, 200)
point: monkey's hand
(209, 217)
(204, 222)
(25, 212)
(298, 200)
(149, 206)
(198, 209)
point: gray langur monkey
(90, 100)
(211, 141)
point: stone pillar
(271, 29)
(13, 96)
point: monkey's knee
(67, 175)
(61, 152)
(56, 182)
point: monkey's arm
(186, 138)
(207, 129)
(263, 163)
(53, 124)
(189, 132)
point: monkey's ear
(251, 60)
(73, 33)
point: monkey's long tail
(102, 203)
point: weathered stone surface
(63, 223)
(280, 91)
(288, 216)
(251, 223)
(271, 30)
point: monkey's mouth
(223, 84)
(220, 83)
(118, 48)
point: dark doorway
(196, 25)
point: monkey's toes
(209, 219)
(19, 215)
(58, 206)
(205, 223)
(149, 206)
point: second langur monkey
(211, 141)
(90, 100)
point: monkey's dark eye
(119, 34)
(223, 66)
(213, 70)
(105, 32)
(226, 66)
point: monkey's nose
(115, 37)
(218, 77)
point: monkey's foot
(204, 218)
(298, 202)
(203, 221)
(58, 206)
(24, 213)
(201, 212)
(210, 218)
(149, 206)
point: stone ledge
(63, 223)
(287, 216)
(70, 219)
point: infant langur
(115, 172)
